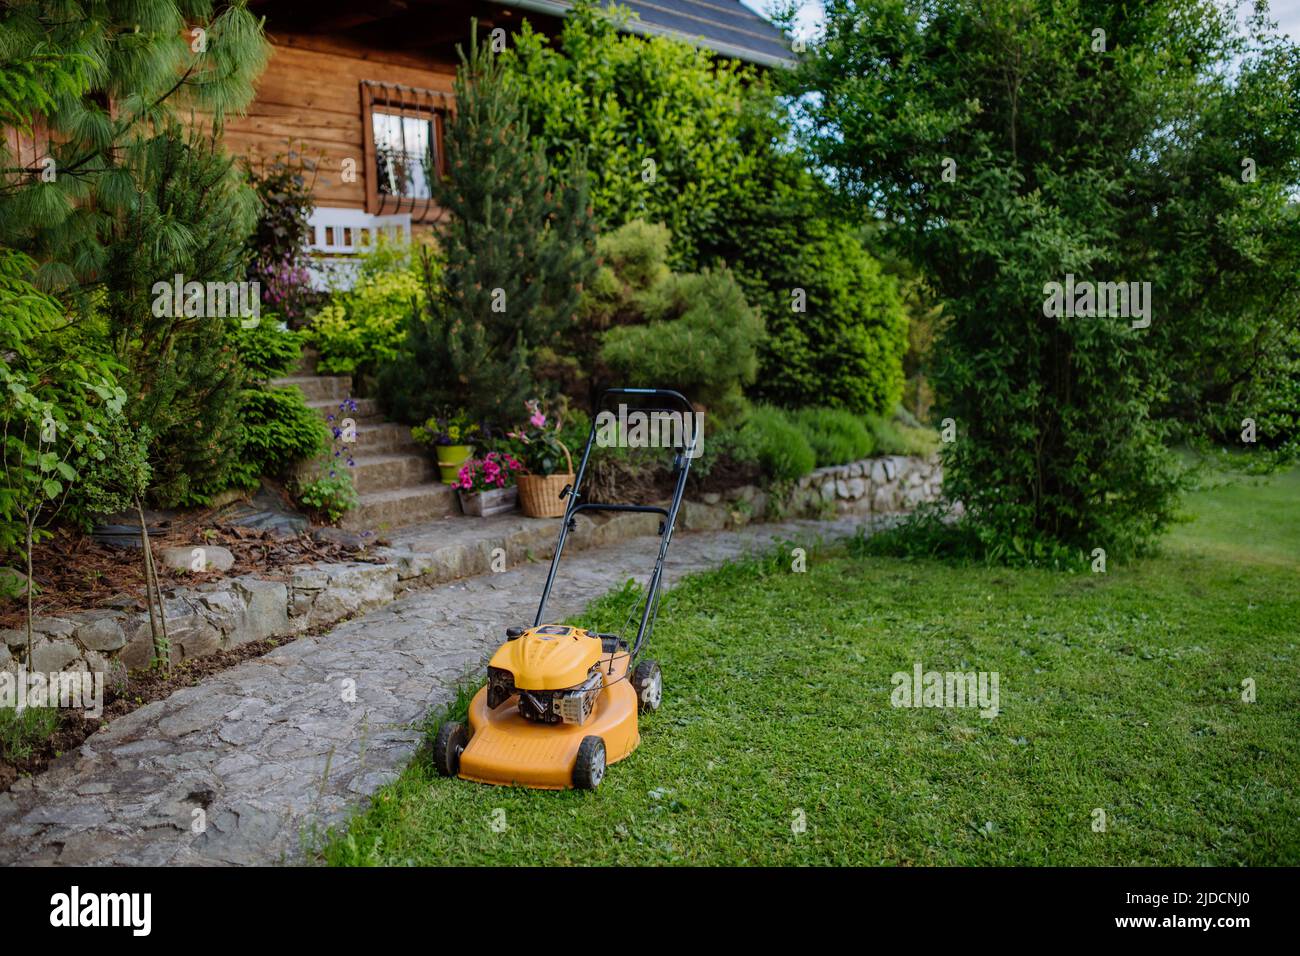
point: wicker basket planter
(539, 495)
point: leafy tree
(1226, 247)
(58, 396)
(729, 187)
(1013, 142)
(518, 246)
(658, 122)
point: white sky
(1285, 12)
(1287, 15)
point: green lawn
(1120, 691)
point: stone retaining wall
(875, 486)
(889, 485)
(223, 615)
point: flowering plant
(543, 452)
(494, 470)
(333, 493)
(286, 285)
(446, 429)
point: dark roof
(724, 26)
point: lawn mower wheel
(589, 768)
(447, 746)
(648, 682)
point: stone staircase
(397, 481)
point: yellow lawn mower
(561, 703)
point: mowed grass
(1119, 692)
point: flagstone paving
(246, 767)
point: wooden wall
(310, 97)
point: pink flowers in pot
(543, 452)
(494, 470)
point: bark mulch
(74, 571)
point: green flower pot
(450, 460)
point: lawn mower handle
(682, 400)
(575, 504)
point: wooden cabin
(362, 89)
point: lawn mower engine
(572, 705)
(556, 670)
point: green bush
(117, 481)
(277, 426)
(768, 436)
(59, 395)
(22, 733)
(641, 324)
(836, 436)
(701, 338)
(730, 190)
(792, 249)
(845, 349)
(365, 327)
(277, 430)
(332, 495)
(1271, 401)
(267, 350)
(895, 436)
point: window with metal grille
(404, 148)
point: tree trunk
(29, 593)
(161, 645)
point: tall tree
(1012, 144)
(519, 244)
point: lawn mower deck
(561, 703)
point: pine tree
(519, 245)
(124, 185)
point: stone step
(384, 437)
(386, 472)
(367, 411)
(307, 360)
(380, 510)
(317, 388)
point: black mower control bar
(691, 437)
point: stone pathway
(242, 768)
